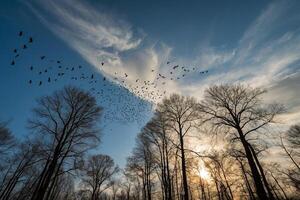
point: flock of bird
(119, 93)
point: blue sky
(254, 42)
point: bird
(58, 61)
(15, 50)
(176, 66)
(30, 40)
(168, 62)
(126, 75)
(43, 57)
(20, 33)
(12, 62)
(31, 68)
(49, 80)
(40, 83)
(17, 55)
(24, 46)
(102, 63)
(30, 81)
(92, 76)
(137, 80)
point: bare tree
(180, 114)
(66, 120)
(292, 150)
(97, 174)
(239, 109)
(141, 164)
(25, 157)
(7, 141)
(157, 134)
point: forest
(228, 144)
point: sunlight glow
(203, 173)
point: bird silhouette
(24, 46)
(20, 33)
(30, 40)
(43, 57)
(15, 50)
(12, 62)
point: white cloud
(100, 37)
(263, 56)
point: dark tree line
(235, 165)
(220, 147)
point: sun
(203, 173)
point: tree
(97, 174)
(141, 164)
(292, 151)
(239, 109)
(293, 136)
(7, 141)
(66, 122)
(180, 114)
(16, 176)
(157, 134)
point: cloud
(286, 91)
(100, 37)
(267, 53)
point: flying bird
(43, 57)
(30, 40)
(20, 33)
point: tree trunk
(183, 164)
(261, 173)
(260, 190)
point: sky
(253, 42)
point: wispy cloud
(266, 54)
(100, 37)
